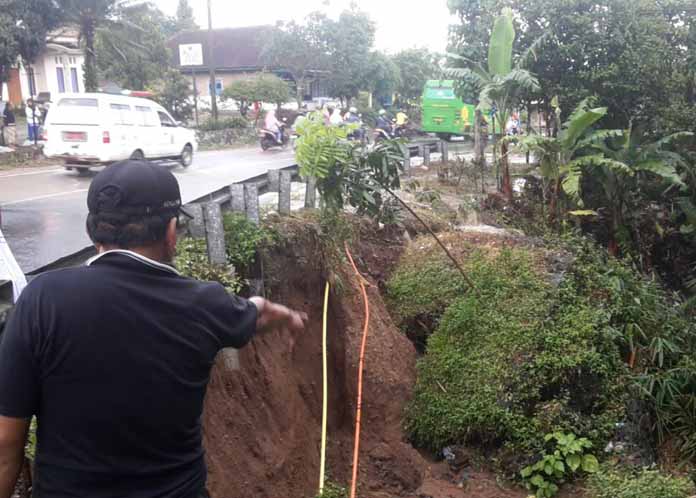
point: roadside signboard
(191, 54)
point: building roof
(233, 48)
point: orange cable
(356, 448)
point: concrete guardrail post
(407, 160)
(237, 203)
(274, 180)
(196, 225)
(311, 193)
(426, 155)
(251, 196)
(444, 150)
(284, 193)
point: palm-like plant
(562, 158)
(500, 84)
(91, 16)
(620, 165)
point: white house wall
(45, 73)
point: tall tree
(184, 17)
(416, 66)
(35, 20)
(89, 16)
(350, 43)
(500, 83)
(133, 51)
(9, 49)
(300, 50)
(382, 77)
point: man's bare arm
(272, 316)
(13, 436)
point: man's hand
(13, 436)
(272, 316)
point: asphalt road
(44, 210)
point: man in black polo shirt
(114, 357)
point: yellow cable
(324, 413)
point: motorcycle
(268, 138)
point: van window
(75, 111)
(439, 93)
(121, 114)
(165, 120)
(145, 116)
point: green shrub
(333, 490)
(243, 238)
(512, 362)
(419, 292)
(567, 457)
(616, 483)
(234, 122)
(192, 261)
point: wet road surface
(44, 210)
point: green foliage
(262, 88)
(184, 20)
(645, 483)
(419, 292)
(299, 49)
(333, 490)
(30, 447)
(192, 261)
(172, 92)
(416, 66)
(522, 359)
(566, 459)
(234, 122)
(347, 173)
(243, 238)
(132, 51)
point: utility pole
(211, 67)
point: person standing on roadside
(33, 120)
(9, 127)
(114, 358)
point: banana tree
(500, 83)
(561, 157)
(622, 166)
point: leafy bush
(242, 238)
(513, 362)
(234, 122)
(419, 292)
(192, 261)
(333, 490)
(615, 483)
(566, 459)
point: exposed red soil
(262, 423)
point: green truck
(443, 112)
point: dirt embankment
(262, 423)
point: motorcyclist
(336, 119)
(401, 122)
(352, 116)
(273, 125)
(383, 122)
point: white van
(96, 129)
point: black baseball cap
(133, 188)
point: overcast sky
(399, 25)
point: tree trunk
(507, 180)
(553, 208)
(90, 66)
(529, 125)
(479, 146)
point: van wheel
(137, 155)
(186, 158)
(82, 171)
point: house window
(218, 87)
(61, 80)
(73, 78)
